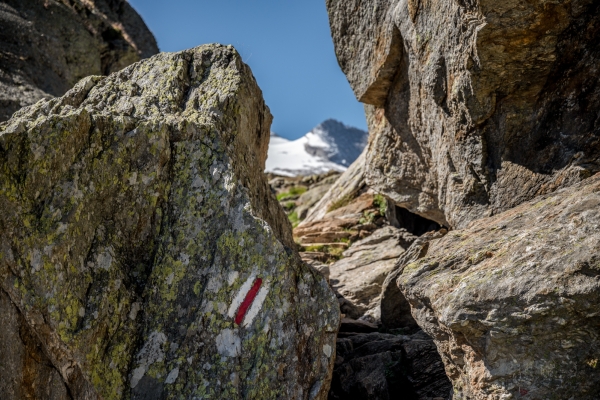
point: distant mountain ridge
(331, 145)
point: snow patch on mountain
(329, 146)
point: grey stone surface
(473, 107)
(136, 219)
(512, 300)
(394, 309)
(312, 196)
(46, 46)
(359, 276)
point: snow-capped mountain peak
(329, 146)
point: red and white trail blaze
(249, 300)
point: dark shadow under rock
(379, 366)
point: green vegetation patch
(335, 253)
(289, 206)
(294, 192)
(381, 203)
(294, 220)
(369, 217)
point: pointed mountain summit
(331, 145)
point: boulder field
(143, 254)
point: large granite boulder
(474, 106)
(513, 300)
(46, 46)
(142, 253)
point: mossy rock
(136, 220)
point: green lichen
(112, 211)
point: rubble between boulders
(358, 277)
(379, 366)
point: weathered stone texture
(512, 301)
(473, 106)
(394, 309)
(25, 371)
(133, 211)
(46, 46)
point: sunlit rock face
(142, 250)
(512, 301)
(473, 106)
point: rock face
(142, 253)
(473, 106)
(512, 301)
(25, 371)
(46, 46)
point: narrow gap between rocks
(355, 240)
(400, 217)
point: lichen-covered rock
(513, 300)
(474, 106)
(46, 46)
(143, 248)
(25, 371)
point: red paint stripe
(248, 301)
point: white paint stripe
(241, 295)
(257, 304)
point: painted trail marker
(249, 300)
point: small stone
(172, 377)
(327, 350)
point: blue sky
(286, 43)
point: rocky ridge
(330, 146)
